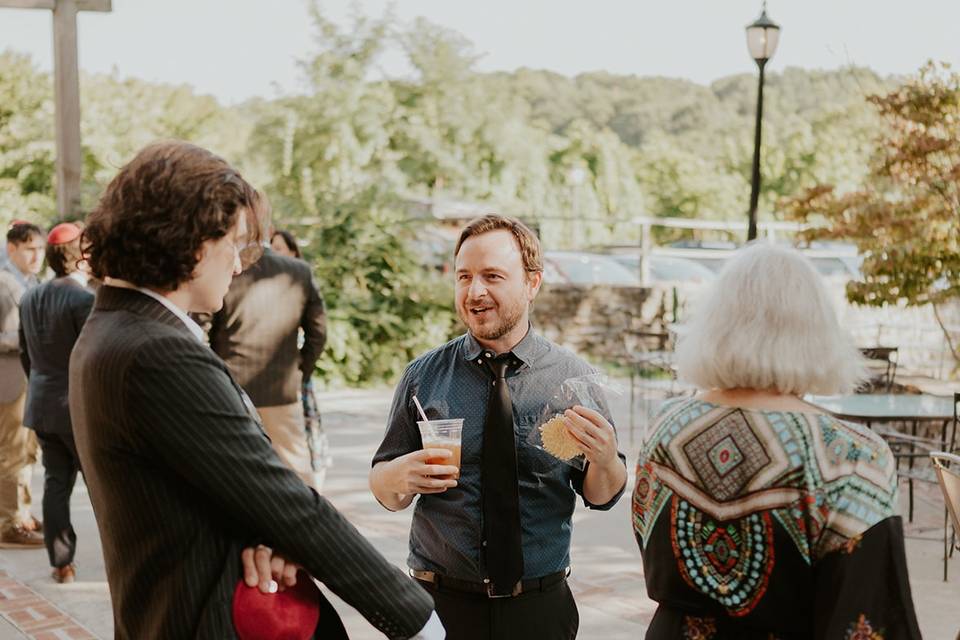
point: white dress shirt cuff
(433, 630)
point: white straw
(420, 409)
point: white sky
(235, 49)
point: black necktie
(499, 489)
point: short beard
(502, 328)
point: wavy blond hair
(768, 323)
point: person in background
(256, 334)
(493, 546)
(51, 317)
(18, 446)
(758, 515)
(3, 247)
(283, 243)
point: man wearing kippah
(18, 446)
(51, 317)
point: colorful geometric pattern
(731, 475)
(725, 455)
(695, 628)
(650, 496)
(862, 630)
(729, 561)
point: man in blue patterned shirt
(499, 271)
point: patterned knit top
(769, 524)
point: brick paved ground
(607, 576)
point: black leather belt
(466, 586)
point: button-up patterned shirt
(453, 381)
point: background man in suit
(180, 473)
(51, 316)
(256, 335)
(18, 446)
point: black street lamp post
(762, 38)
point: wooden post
(646, 248)
(66, 90)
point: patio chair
(652, 372)
(887, 358)
(947, 466)
(908, 447)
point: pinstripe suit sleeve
(191, 415)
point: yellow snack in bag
(557, 441)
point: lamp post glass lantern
(763, 35)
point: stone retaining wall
(606, 324)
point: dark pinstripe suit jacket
(182, 477)
(256, 331)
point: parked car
(581, 268)
(833, 260)
(668, 268)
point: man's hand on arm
(269, 571)
(396, 482)
(209, 439)
(597, 439)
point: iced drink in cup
(442, 434)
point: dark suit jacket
(51, 317)
(256, 331)
(181, 477)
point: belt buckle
(517, 590)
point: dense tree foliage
(342, 161)
(905, 215)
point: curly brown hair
(155, 215)
(63, 258)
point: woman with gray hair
(758, 515)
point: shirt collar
(79, 276)
(26, 280)
(188, 322)
(526, 351)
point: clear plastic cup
(442, 434)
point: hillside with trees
(348, 151)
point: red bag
(292, 614)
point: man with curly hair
(180, 472)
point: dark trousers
(60, 466)
(538, 615)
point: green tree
(905, 217)
(337, 176)
(26, 141)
